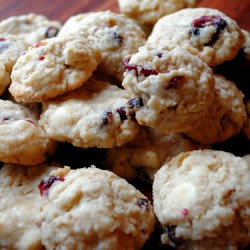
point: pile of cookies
(105, 100)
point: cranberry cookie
(207, 33)
(31, 27)
(175, 88)
(22, 140)
(95, 115)
(52, 67)
(115, 34)
(202, 198)
(225, 117)
(89, 208)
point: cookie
(145, 155)
(202, 197)
(225, 117)
(94, 115)
(20, 205)
(207, 33)
(176, 88)
(115, 35)
(11, 48)
(115, 214)
(149, 12)
(22, 140)
(52, 67)
(31, 27)
(246, 125)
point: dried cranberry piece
(108, 117)
(39, 44)
(143, 203)
(30, 121)
(135, 103)
(174, 82)
(215, 20)
(171, 232)
(2, 39)
(122, 113)
(46, 184)
(41, 58)
(139, 70)
(118, 38)
(51, 32)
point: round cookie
(22, 140)
(11, 48)
(246, 125)
(52, 67)
(225, 117)
(94, 115)
(115, 34)
(31, 27)
(115, 214)
(202, 198)
(207, 33)
(145, 155)
(20, 206)
(176, 88)
(148, 11)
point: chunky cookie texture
(52, 67)
(31, 27)
(148, 12)
(207, 33)
(176, 88)
(225, 117)
(20, 205)
(95, 209)
(145, 155)
(201, 198)
(116, 36)
(97, 114)
(11, 48)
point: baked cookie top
(11, 48)
(148, 11)
(144, 155)
(225, 117)
(207, 33)
(95, 115)
(52, 67)
(176, 88)
(115, 214)
(30, 27)
(115, 35)
(22, 140)
(204, 194)
(20, 205)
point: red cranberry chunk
(108, 117)
(204, 21)
(46, 184)
(135, 103)
(118, 38)
(51, 32)
(139, 70)
(2, 39)
(41, 58)
(143, 203)
(174, 82)
(171, 232)
(122, 113)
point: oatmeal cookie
(31, 27)
(115, 214)
(11, 48)
(20, 206)
(202, 197)
(149, 11)
(225, 117)
(52, 67)
(207, 33)
(144, 156)
(115, 34)
(94, 115)
(22, 140)
(176, 88)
